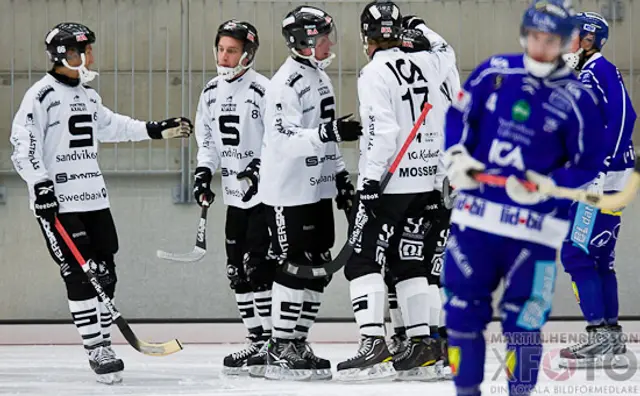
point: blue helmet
(591, 22)
(550, 17)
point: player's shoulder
(568, 84)
(259, 83)
(42, 90)
(211, 86)
(600, 66)
(505, 64)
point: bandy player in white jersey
(437, 217)
(55, 135)
(392, 90)
(229, 130)
(302, 171)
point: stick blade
(147, 348)
(196, 255)
(314, 272)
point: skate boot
(321, 368)
(443, 370)
(372, 362)
(257, 364)
(418, 361)
(397, 344)
(618, 337)
(597, 351)
(285, 363)
(105, 364)
(236, 363)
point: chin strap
(86, 75)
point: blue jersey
(616, 108)
(512, 122)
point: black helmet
(303, 26)
(245, 32)
(380, 20)
(413, 40)
(66, 36)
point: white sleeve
(207, 151)
(383, 129)
(451, 85)
(288, 134)
(114, 127)
(443, 57)
(27, 138)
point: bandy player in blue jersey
(588, 253)
(524, 117)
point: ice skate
(284, 362)
(599, 350)
(106, 365)
(372, 362)
(442, 368)
(236, 363)
(321, 368)
(397, 344)
(418, 362)
(257, 364)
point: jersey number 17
(411, 75)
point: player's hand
(412, 21)
(180, 127)
(202, 185)
(46, 203)
(370, 196)
(346, 191)
(519, 193)
(460, 167)
(449, 194)
(342, 129)
(252, 175)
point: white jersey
(55, 136)
(392, 90)
(229, 130)
(297, 168)
(449, 88)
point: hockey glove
(170, 128)
(346, 191)
(252, 174)
(412, 22)
(341, 130)
(572, 59)
(370, 196)
(46, 203)
(520, 194)
(202, 185)
(460, 166)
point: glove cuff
(203, 173)
(154, 130)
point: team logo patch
(462, 100)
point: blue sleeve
(585, 144)
(463, 116)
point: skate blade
(109, 379)
(381, 372)
(257, 371)
(606, 361)
(235, 371)
(443, 373)
(321, 375)
(278, 373)
(426, 373)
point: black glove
(179, 127)
(370, 196)
(46, 203)
(340, 130)
(202, 185)
(411, 22)
(346, 191)
(252, 174)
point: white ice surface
(64, 370)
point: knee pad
(574, 258)
(80, 288)
(237, 278)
